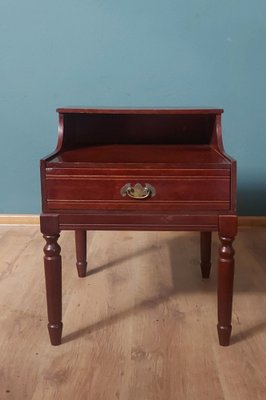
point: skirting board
(252, 221)
(19, 219)
(33, 219)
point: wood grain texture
(140, 326)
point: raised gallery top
(84, 110)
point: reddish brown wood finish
(81, 252)
(177, 151)
(227, 233)
(53, 276)
(53, 272)
(205, 250)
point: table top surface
(144, 154)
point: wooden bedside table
(146, 169)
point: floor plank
(140, 326)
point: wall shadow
(251, 200)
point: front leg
(227, 232)
(53, 279)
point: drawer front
(184, 190)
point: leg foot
(205, 253)
(224, 334)
(55, 333)
(81, 252)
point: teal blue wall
(129, 53)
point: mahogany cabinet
(139, 169)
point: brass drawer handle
(138, 192)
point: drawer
(143, 190)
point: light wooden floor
(142, 326)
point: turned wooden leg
(205, 253)
(81, 252)
(53, 278)
(225, 280)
